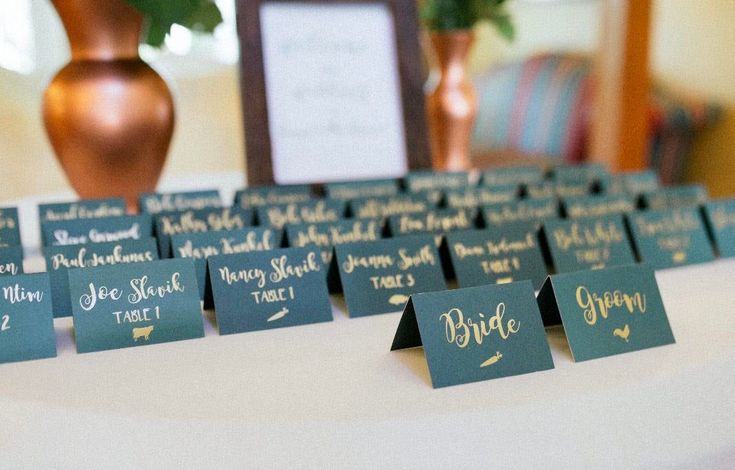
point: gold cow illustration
(144, 333)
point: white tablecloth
(332, 395)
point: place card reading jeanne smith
(533, 210)
(606, 312)
(11, 260)
(598, 206)
(9, 227)
(366, 188)
(421, 180)
(327, 235)
(200, 246)
(82, 209)
(476, 333)
(670, 237)
(135, 304)
(26, 321)
(475, 196)
(311, 212)
(497, 256)
(386, 206)
(588, 243)
(264, 290)
(378, 277)
(59, 259)
(108, 229)
(269, 195)
(153, 203)
(512, 175)
(720, 216)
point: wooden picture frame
(259, 163)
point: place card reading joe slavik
(26, 321)
(272, 289)
(107, 229)
(720, 216)
(329, 234)
(606, 312)
(11, 260)
(476, 333)
(82, 209)
(154, 203)
(378, 277)
(9, 227)
(135, 304)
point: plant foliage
(447, 15)
(160, 15)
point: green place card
(60, 259)
(154, 203)
(108, 229)
(637, 182)
(386, 206)
(269, 195)
(327, 235)
(200, 246)
(513, 175)
(26, 321)
(437, 222)
(11, 260)
(475, 196)
(670, 237)
(259, 291)
(607, 312)
(598, 205)
(589, 243)
(421, 180)
(365, 188)
(135, 304)
(497, 256)
(378, 277)
(311, 212)
(674, 197)
(9, 227)
(720, 217)
(476, 333)
(588, 172)
(534, 210)
(82, 209)
(200, 220)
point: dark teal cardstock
(9, 227)
(673, 197)
(200, 220)
(200, 246)
(378, 277)
(386, 206)
(311, 212)
(637, 182)
(82, 209)
(327, 235)
(513, 175)
(11, 260)
(269, 195)
(154, 203)
(606, 312)
(135, 304)
(670, 237)
(720, 217)
(579, 172)
(108, 229)
(535, 210)
(500, 255)
(60, 259)
(474, 196)
(420, 180)
(476, 333)
(264, 290)
(598, 205)
(588, 243)
(365, 188)
(26, 322)
(438, 222)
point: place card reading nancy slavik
(312, 212)
(135, 304)
(476, 333)
(378, 277)
(589, 243)
(327, 235)
(82, 209)
(273, 289)
(257, 196)
(11, 260)
(60, 259)
(606, 312)
(9, 227)
(154, 203)
(670, 237)
(108, 229)
(720, 216)
(26, 322)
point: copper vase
(108, 115)
(452, 105)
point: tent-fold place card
(60, 259)
(154, 203)
(11, 260)
(598, 206)
(107, 229)
(476, 333)
(474, 196)
(512, 175)
(606, 312)
(135, 304)
(327, 235)
(437, 222)
(497, 256)
(26, 321)
(269, 195)
(588, 172)
(9, 227)
(386, 206)
(264, 290)
(674, 197)
(367, 188)
(311, 212)
(670, 237)
(549, 189)
(588, 243)
(421, 180)
(82, 209)
(720, 216)
(378, 277)
(535, 210)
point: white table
(332, 395)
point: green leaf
(160, 15)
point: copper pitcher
(108, 115)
